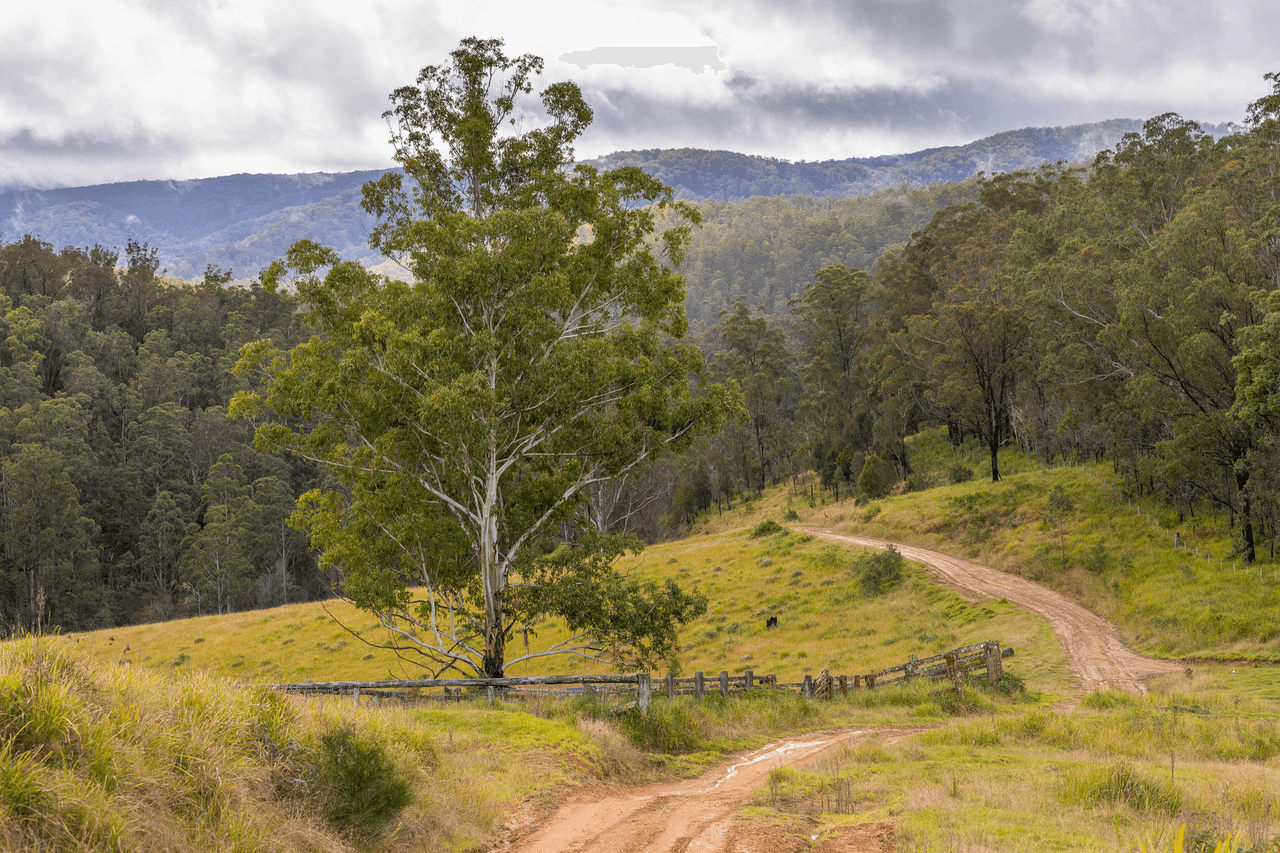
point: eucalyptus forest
(1123, 309)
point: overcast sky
(95, 91)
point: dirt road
(1098, 656)
(700, 814)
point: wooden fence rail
(952, 666)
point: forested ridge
(1124, 309)
(243, 222)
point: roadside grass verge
(1114, 772)
(96, 758)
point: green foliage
(534, 358)
(877, 478)
(959, 473)
(879, 571)
(112, 385)
(768, 527)
(361, 784)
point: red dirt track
(701, 814)
(1098, 656)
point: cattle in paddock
(771, 622)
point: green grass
(1118, 770)
(1105, 553)
(992, 772)
(100, 757)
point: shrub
(959, 473)
(768, 527)
(362, 784)
(791, 515)
(669, 727)
(877, 478)
(880, 572)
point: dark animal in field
(771, 622)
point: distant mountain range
(243, 222)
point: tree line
(126, 493)
(1124, 310)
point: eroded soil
(701, 814)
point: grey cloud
(696, 59)
(767, 119)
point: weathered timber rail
(954, 666)
(644, 691)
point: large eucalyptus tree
(467, 413)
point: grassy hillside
(824, 620)
(108, 747)
(1111, 551)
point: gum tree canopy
(465, 415)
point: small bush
(880, 572)
(768, 527)
(1102, 700)
(669, 727)
(363, 786)
(791, 515)
(959, 473)
(1011, 686)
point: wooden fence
(954, 666)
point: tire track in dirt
(1098, 657)
(698, 814)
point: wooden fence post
(671, 685)
(724, 683)
(857, 682)
(748, 680)
(355, 697)
(871, 681)
(807, 689)
(844, 685)
(912, 670)
(698, 686)
(955, 674)
(489, 692)
(644, 692)
(995, 667)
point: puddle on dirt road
(771, 751)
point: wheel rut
(700, 814)
(1098, 657)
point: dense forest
(766, 251)
(1124, 309)
(126, 493)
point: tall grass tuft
(1120, 784)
